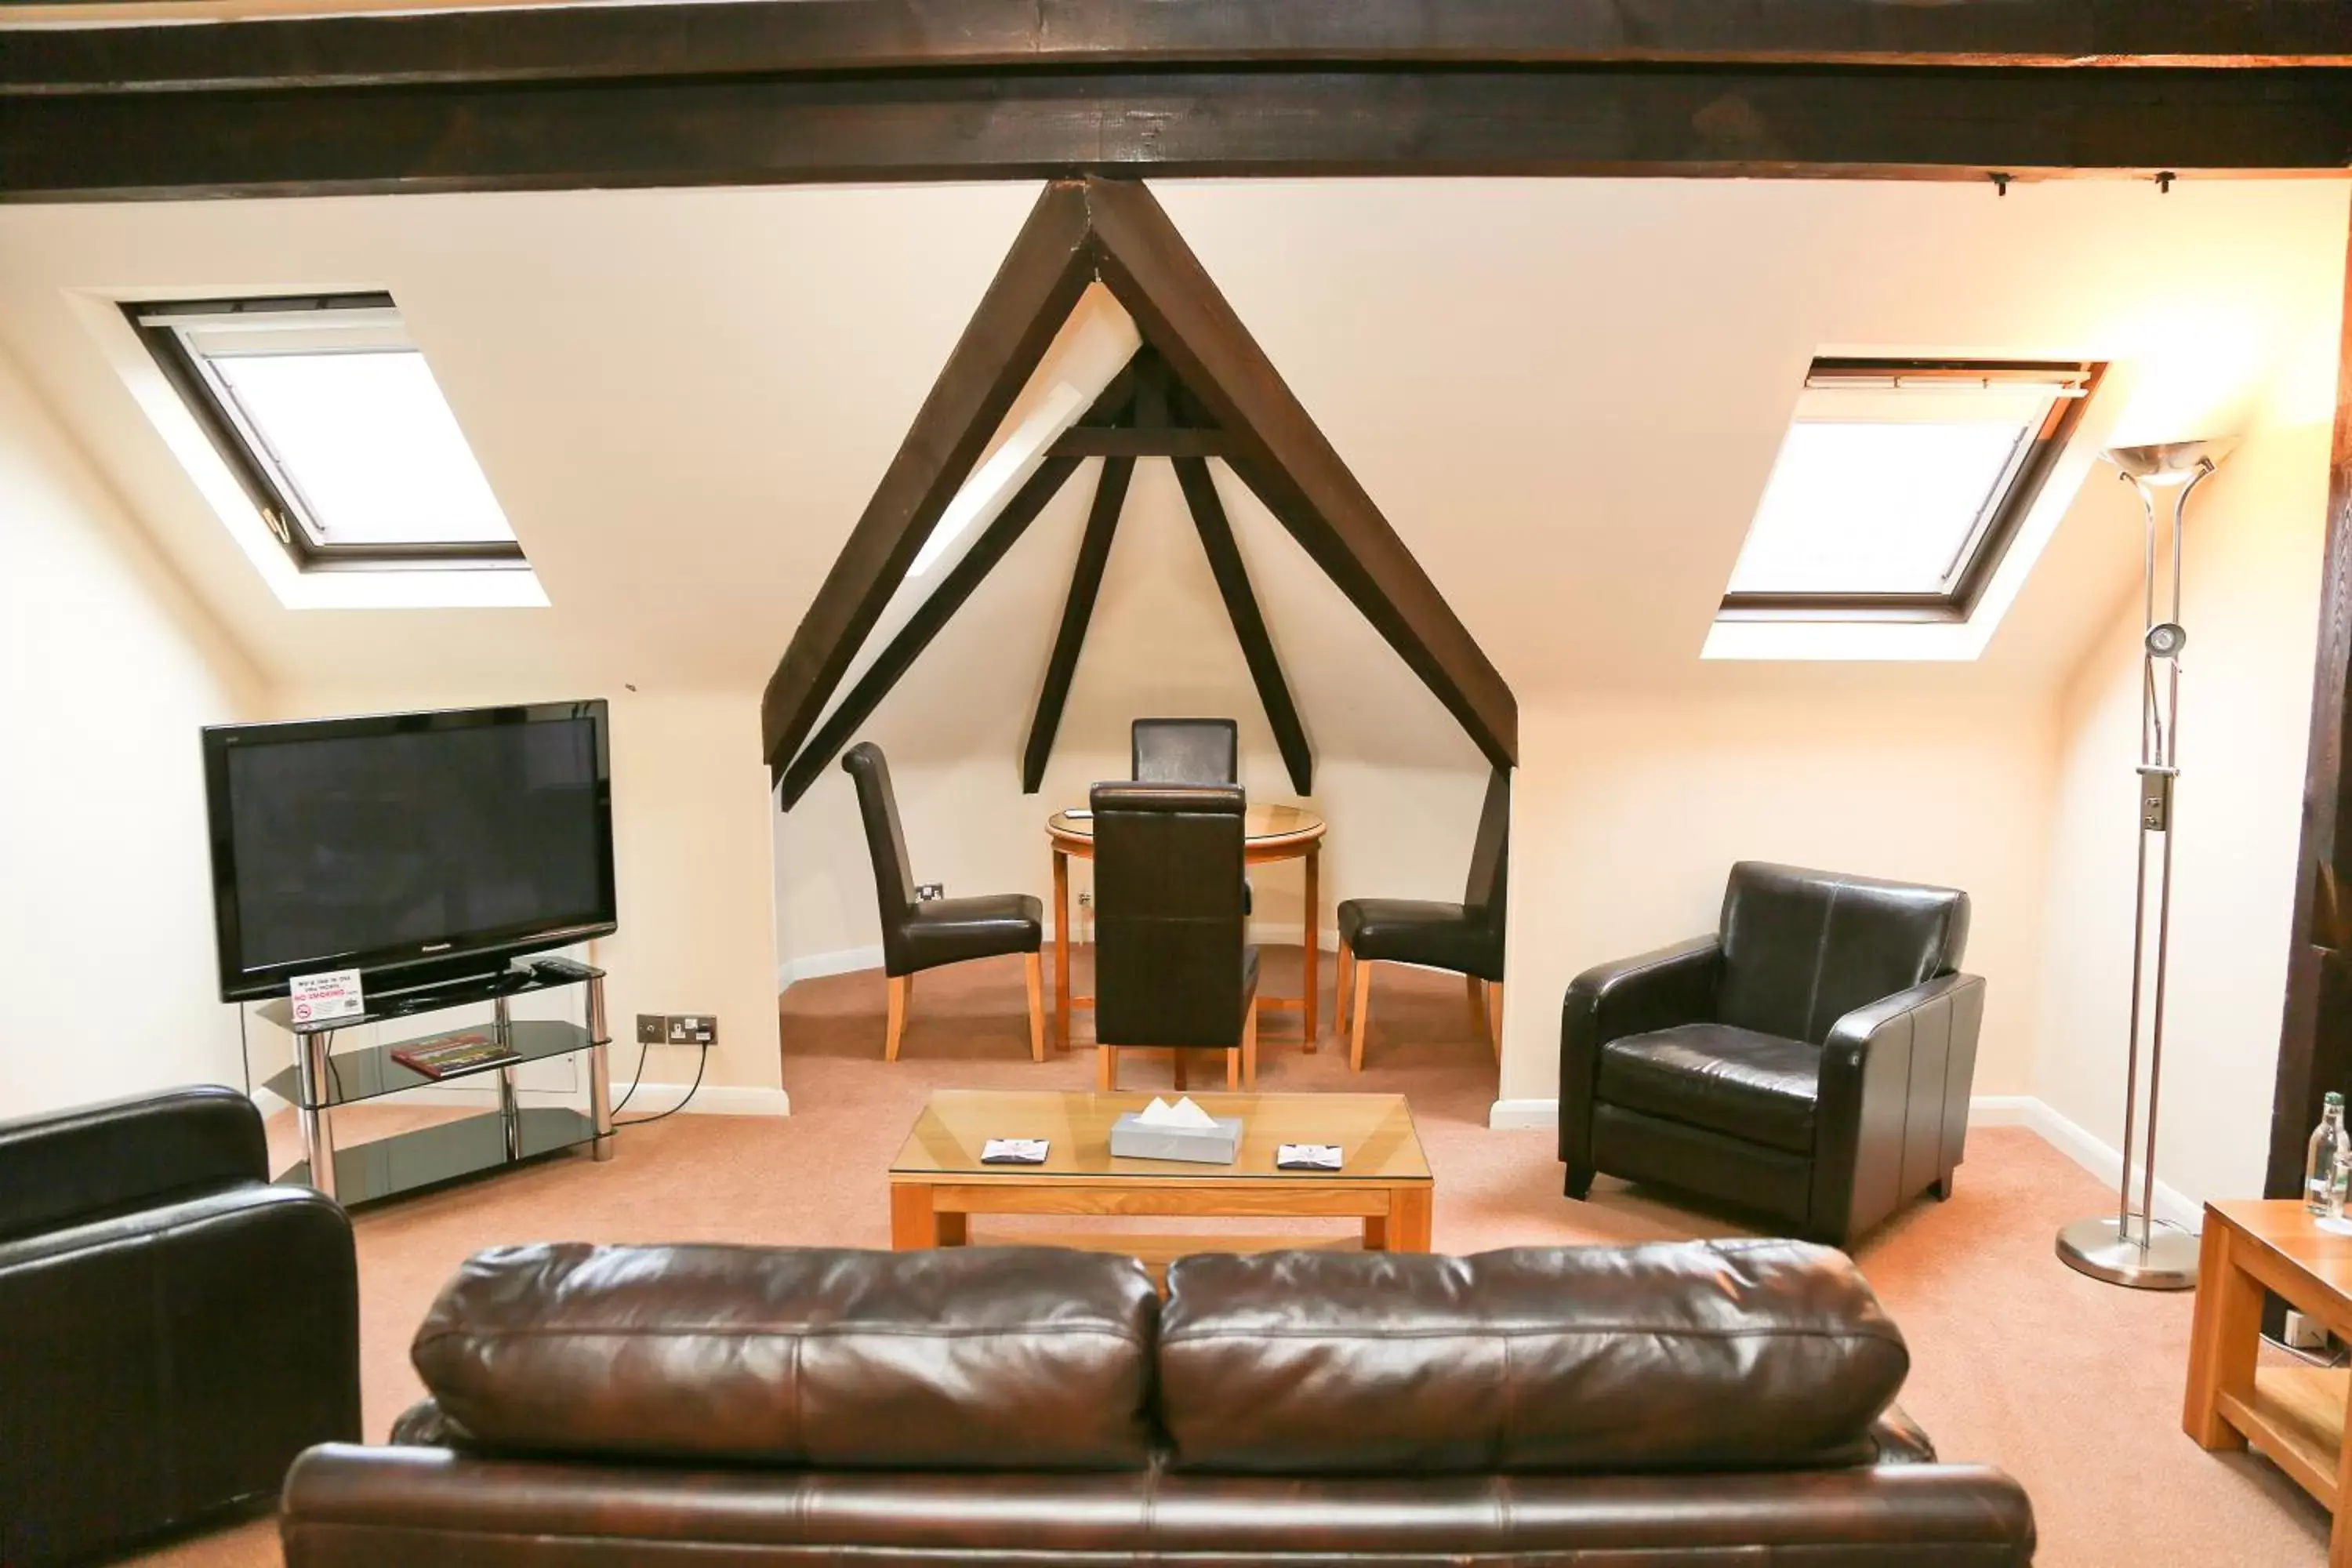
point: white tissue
(1183, 1113)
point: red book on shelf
(443, 1054)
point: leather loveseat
(1715, 1403)
(174, 1329)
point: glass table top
(1374, 1132)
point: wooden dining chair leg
(900, 984)
(1362, 1005)
(1035, 966)
(1234, 1067)
(1495, 1016)
(1346, 976)
(1249, 1047)
(1477, 1003)
(1176, 1068)
(1106, 1068)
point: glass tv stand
(321, 1081)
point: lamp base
(2098, 1247)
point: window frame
(1996, 526)
(249, 458)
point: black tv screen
(407, 845)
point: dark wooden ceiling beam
(1279, 453)
(774, 37)
(1442, 120)
(1078, 612)
(925, 623)
(1048, 267)
(1225, 564)
(1086, 441)
(2314, 1053)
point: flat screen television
(415, 848)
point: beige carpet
(2073, 1386)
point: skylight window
(1900, 484)
(333, 423)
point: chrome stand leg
(313, 1111)
(600, 1071)
(502, 1022)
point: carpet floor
(2073, 1386)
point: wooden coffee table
(2295, 1413)
(937, 1181)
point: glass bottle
(2319, 1168)
(2338, 1189)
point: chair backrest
(1185, 751)
(886, 841)
(1802, 949)
(1486, 893)
(1168, 914)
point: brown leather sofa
(1719, 1403)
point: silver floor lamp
(2134, 1248)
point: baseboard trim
(818, 965)
(2102, 1161)
(1984, 1110)
(710, 1099)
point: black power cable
(692, 1089)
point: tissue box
(1218, 1145)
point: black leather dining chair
(1466, 938)
(1172, 970)
(1188, 752)
(1184, 750)
(917, 936)
(1810, 1060)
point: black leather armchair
(173, 1330)
(917, 936)
(1171, 969)
(1466, 938)
(1812, 1060)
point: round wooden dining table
(1269, 833)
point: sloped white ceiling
(1566, 396)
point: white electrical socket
(2303, 1333)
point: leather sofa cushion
(1683, 1355)
(1758, 1088)
(989, 1359)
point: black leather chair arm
(1894, 1086)
(1655, 991)
(99, 1160)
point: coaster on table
(1012, 1152)
(1306, 1157)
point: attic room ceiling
(1200, 368)
(1565, 396)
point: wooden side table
(2295, 1413)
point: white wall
(2254, 543)
(1629, 813)
(106, 670)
